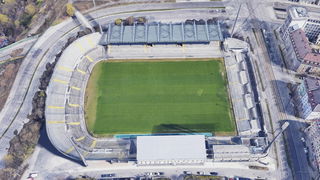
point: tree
(118, 21)
(130, 20)
(30, 9)
(4, 19)
(17, 23)
(70, 9)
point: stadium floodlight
(283, 127)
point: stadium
(144, 79)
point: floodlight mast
(234, 24)
(283, 128)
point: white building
(231, 153)
(171, 150)
(300, 18)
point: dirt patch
(8, 74)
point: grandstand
(65, 124)
(189, 32)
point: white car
(33, 175)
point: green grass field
(158, 97)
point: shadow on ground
(183, 128)
(45, 142)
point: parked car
(108, 175)
(187, 172)
(33, 175)
(200, 173)
(214, 173)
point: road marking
(56, 122)
(94, 142)
(241, 119)
(65, 68)
(80, 47)
(74, 105)
(85, 154)
(75, 88)
(183, 48)
(56, 107)
(237, 99)
(80, 71)
(60, 81)
(232, 66)
(73, 123)
(80, 138)
(69, 150)
(90, 41)
(89, 58)
(234, 83)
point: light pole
(283, 128)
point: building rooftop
(179, 147)
(313, 86)
(303, 48)
(298, 12)
(159, 33)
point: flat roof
(185, 147)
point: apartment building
(300, 18)
(307, 98)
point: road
(24, 44)
(277, 78)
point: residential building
(313, 134)
(307, 98)
(315, 2)
(300, 18)
(300, 56)
(318, 40)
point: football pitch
(158, 97)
